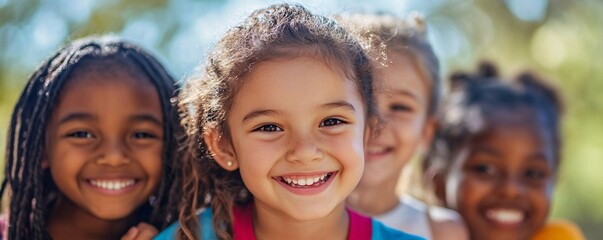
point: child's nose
(511, 188)
(304, 147)
(114, 153)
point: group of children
(298, 127)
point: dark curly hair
(277, 32)
(30, 185)
(476, 97)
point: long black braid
(473, 99)
(30, 185)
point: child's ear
(45, 163)
(439, 184)
(221, 150)
(428, 131)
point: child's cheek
(545, 195)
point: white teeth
(505, 215)
(375, 150)
(309, 181)
(113, 184)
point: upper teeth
(306, 180)
(112, 184)
(505, 215)
(375, 149)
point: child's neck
(268, 225)
(373, 201)
(68, 221)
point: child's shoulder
(446, 224)
(380, 231)
(363, 227)
(205, 226)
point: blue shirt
(378, 230)
(206, 224)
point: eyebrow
(78, 116)
(538, 156)
(258, 113)
(146, 118)
(410, 94)
(486, 150)
(268, 112)
(340, 104)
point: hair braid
(30, 185)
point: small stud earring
(229, 163)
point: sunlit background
(561, 39)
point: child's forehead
(525, 122)
(524, 116)
(108, 68)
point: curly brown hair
(486, 93)
(277, 32)
(383, 33)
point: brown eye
(484, 169)
(80, 134)
(331, 122)
(399, 108)
(143, 135)
(268, 128)
(535, 174)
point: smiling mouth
(305, 181)
(112, 185)
(505, 216)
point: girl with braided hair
(92, 146)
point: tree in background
(561, 39)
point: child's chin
(309, 216)
(318, 211)
(500, 234)
(112, 214)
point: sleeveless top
(411, 216)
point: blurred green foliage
(562, 40)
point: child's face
(502, 182)
(105, 143)
(402, 97)
(297, 134)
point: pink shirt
(360, 226)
